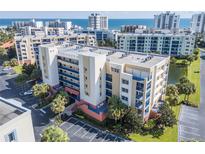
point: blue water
(113, 23)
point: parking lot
(189, 129)
(80, 131)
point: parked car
(29, 92)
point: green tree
(167, 117)
(184, 62)
(40, 90)
(116, 109)
(13, 62)
(172, 94)
(173, 60)
(6, 63)
(58, 104)
(188, 89)
(190, 59)
(172, 90)
(36, 74)
(132, 121)
(21, 78)
(54, 134)
(28, 68)
(196, 51)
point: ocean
(113, 23)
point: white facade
(166, 21)
(49, 67)
(96, 74)
(96, 21)
(27, 46)
(198, 23)
(168, 44)
(15, 122)
(92, 77)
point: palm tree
(58, 106)
(54, 134)
(116, 109)
(40, 90)
(172, 90)
(13, 62)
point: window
(124, 98)
(125, 81)
(115, 70)
(11, 137)
(125, 90)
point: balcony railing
(69, 69)
(139, 105)
(72, 83)
(70, 76)
(137, 78)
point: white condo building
(15, 122)
(91, 75)
(163, 43)
(198, 23)
(27, 46)
(96, 21)
(166, 21)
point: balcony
(139, 105)
(139, 97)
(72, 83)
(137, 78)
(69, 69)
(70, 76)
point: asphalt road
(191, 120)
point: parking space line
(190, 133)
(192, 118)
(189, 127)
(190, 114)
(189, 110)
(79, 129)
(105, 137)
(188, 122)
(87, 131)
(187, 138)
(71, 126)
(93, 137)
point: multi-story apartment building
(132, 28)
(163, 43)
(59, 24)
(91, 75)
(96, 21)
(198, 23)
(166, 21)
(15, 122)
(19, 24)
(27, 46)
(101, 35)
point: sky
(85, 14)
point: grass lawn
(194, 76)
(18, 69)
(170, 134)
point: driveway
(191, 120)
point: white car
(29, 92)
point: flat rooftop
(9, 111)
(113, 55)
